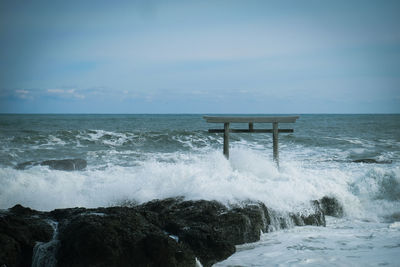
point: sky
(299, 56)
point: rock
(66, 164)
(195, 223)
(20, 228)
(25, 165)
(168, 232)
(372, 161)
(11, 252)
(120, 237)
(61, 164)
(20, 210)
(212, 230)
(331, 207)
(315, 216)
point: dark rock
(212, 230)
(25, 165)
(65, 214)
(391, 218)
(372, 161)
(19, 231)
(169, 232)
(196, 224)
(244, 224)
(331, 207)
(61, 164)
(314, 217)
(10, 252)
(121, 237)
(66, 164)
(20, 210)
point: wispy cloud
(23, 94)
(66, 93)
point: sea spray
(136, 158)
(249, 174)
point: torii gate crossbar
(251, 120)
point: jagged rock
(169, 232)
(20, 228)
(61, 164)
(331, 207)
(212, 230)
(122, 237)
(315, 216)
(372, 161)
(194, 223)
(245, 224)
(20, 210)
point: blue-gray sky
(200, 56)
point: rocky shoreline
(168, 232)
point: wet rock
(315, 216)
(244, 224)
(195, 223)
(66, 164)
(118, 237)
(168, 232)
(61, 164)
(391, 218)
(20, 229)
(20, 210)
(331, 207)
(26, 165)
(212, 230)
(372, 161)
(10, 252)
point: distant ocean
(137, 158)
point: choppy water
(141, 157)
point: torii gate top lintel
(260, 119)
(226, 120)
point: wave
(248, 175)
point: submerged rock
(372, 161)
(168, 232)
(25, 165)
(61, 164)
(66, 164)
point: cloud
(23, 94)
(66, 93)
(56, 91)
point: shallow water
(342, 242)
(142, 157)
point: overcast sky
(200, 56)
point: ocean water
(136, 158)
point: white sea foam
(52, 140)
(249, 174)
(114, 138)
(395, 225)
(341, 243)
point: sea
(136, 158)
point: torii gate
(251, 120)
